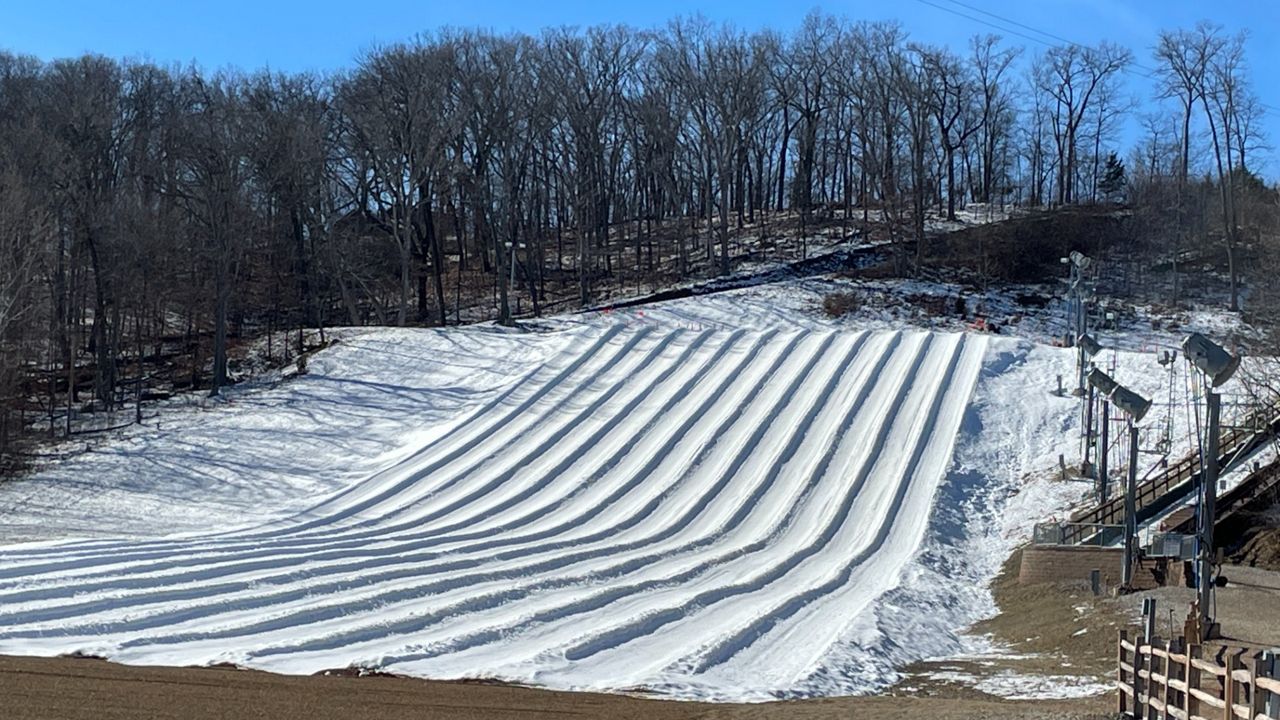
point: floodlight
(1210, 358)
(1089, 345)
(1080, 260)
(1102, 382)
(1130, 402)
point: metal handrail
(1070, 533)
(1233, 442)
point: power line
(1001, 18)
(1059, 38)
(984, 22)
(1011, 21)
(1149, 71)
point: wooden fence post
(1120, 683)
(1139, 703)
(1193, 680)
(1273, 672)
(1229, 687)
(1168, 675)
(1259, 669)
(1184, 675)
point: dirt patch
(1054, 622)
(937, 305)
(1026, 248)
(1261, 551)
(73, 688)
(1059, 636)
(973, 707)
(1247, 607)
(839, 304)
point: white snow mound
(707, 512)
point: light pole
(1103, 384)
(1077, 320)
(1135, 407)
(1088, 348)
(1069, 336)
(1217, 365)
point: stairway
(1171, 486)
(1229, 503)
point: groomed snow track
(696, 512)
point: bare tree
(211, 186)
(1221, 96)
(996, 109)
(953, 95)
(1070, 75)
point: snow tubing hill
(701, 513)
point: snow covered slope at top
(267, 450)
(690, 511)
(720, 498)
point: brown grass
(839, 304)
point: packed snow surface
(713, 500)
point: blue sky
(327, 34)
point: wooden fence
(1164, 681)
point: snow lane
(184, 555)
(690, 510)
(528, 384)
(395, 556)
(793, 642)
(612, 347)
(689, 620)
(814, 345)
(10, 599)
(761, 508)
(655, 568)
(921, 421)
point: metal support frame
(1104, 440)
(1085, 470)
(1082, 327)
(1130, 511)
(1208, 511)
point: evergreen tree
(1113, 179)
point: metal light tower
(1135, 407)
(1088, 348)
(1078, 319)
(1217, 365)
(1103, 385)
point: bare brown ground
(74, 688)
(1248, 607)
(1262, 550)
(1047, 629)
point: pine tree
(1113, 179)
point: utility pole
(1088, 429)
(1079, 263)
(1086, 347)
